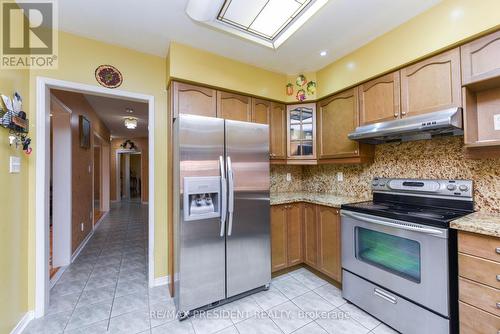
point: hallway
(106, 288)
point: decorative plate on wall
(108, 76)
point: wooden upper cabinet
(279, 238)
(294, 231)
(329, 242)
(261, 110)
(481, 59)
(277, 131)
(234, 106)
(380, 99)
(337, 117)
(194, 100)
(431, 85)
(310, 235)
(301, 132)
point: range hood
(426, 126)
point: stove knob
(451, 187)
(463, 187)
(374, 183)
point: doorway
(43, 178)
(130, 172)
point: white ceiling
(112, 113)
(340, 27)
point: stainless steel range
(399, 256)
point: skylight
(268, 22)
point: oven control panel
(453, 188)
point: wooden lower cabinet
(294, 234)
(310, 235)
(286, 236)
(278, 238)
(328, 220)
(478, 289)
(306, 233)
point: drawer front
(393, 310)
(476, 321)
(479, 270)
(481, 296)
(479, 245)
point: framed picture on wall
(84, 132)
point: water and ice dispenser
(202, 197)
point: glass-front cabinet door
(301, 131)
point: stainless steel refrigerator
(221, 210)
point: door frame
(42, 174)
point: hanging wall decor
(84, 132)
(108, 76)
(128, 145)
(300, 80)
(14, 119)
(289, 89)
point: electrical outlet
(288, 177)
(340, 176)
(81, 227)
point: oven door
(407, 258)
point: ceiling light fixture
(130, 123)
(267, 22)
(322, 53)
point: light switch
(340, 176)
(15, 165)
(288, 177)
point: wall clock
(108, 76)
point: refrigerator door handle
(230, 204)
(223, 199)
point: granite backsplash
(430, 159)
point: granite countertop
(332, 200)
(479, 222)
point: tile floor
(105, 291)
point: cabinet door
(481, 59)
(234, 106)
(277, 131)
(279, 257)
(294, 231)
(431, 85)
(329, 242)
(260, 111)
(301, 120)
(337, 117)
(379, 99)
(194, 100)
(310, 235)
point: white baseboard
(158, 281)
(80, 248)
(25, 320)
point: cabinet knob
(498, 305)
(497, 250)
(498, 278)
(396, 115)
(403, 113)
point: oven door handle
(425, 230)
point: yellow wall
(142, 73)
(440, 27)
(196, 65)
(14, 216)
